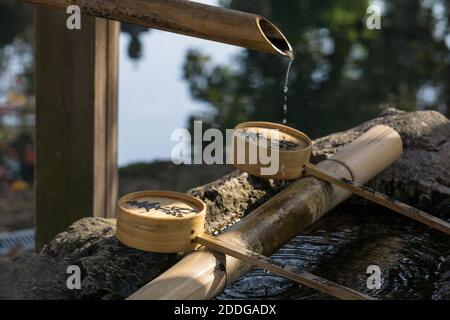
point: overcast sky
(153, 98)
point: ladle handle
(380, 199)
(266, 263)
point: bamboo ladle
(164, 221)
(294, 163)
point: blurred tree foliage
(17, 41)
(343, 72)
(16, 38)
(14, 21)
(134, 45)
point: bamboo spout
(188, 18)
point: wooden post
(76, 121)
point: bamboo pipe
(204, 274)
(188, 18)
(382, 199)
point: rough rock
(112, 271)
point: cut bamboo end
(160, 221)
(274, 37)
(370, 154)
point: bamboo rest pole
(381, 199)
(203, 274)
(304, 278)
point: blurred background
(343, 74)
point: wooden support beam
(76, 121)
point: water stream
(286, 88)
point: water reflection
(342, 245)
